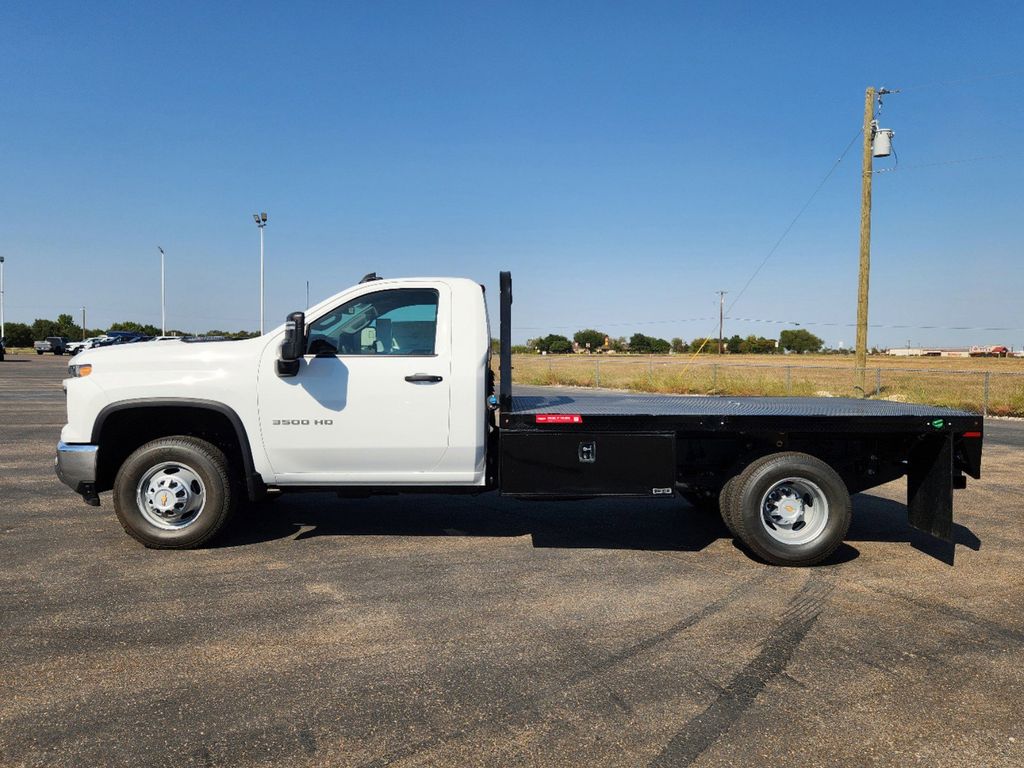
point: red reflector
(559, 418)
(972, 434)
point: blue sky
(624, 160)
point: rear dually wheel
(790, 509)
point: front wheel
(39, 351)
(790, 509)
(174, 493)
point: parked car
(80, 346)
(55, 344)
(125, 337)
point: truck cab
(389, 389)
(384, 385)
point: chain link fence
(978, 391)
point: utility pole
(867, 171)
(83, 323)
(721, 318)
(163, 311)
(307, 294)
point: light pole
(261, 222)
(83, 323)
(163, 310)
(1, 297)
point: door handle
(424, 377)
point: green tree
(67, 327)
(648, 345)
(757, 345)
(800, 340)
(589, 336)
(18, 335)
(704, 344)
(678, 345)
(231, 334)
(42, 328)
(132, 326)
(733, 344)
(554, 344)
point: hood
(171, 355)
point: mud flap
(930, 486)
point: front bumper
(75, 465)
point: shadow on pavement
(668, 525)
(597, 524)
(879, 519)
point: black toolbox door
(559, 464)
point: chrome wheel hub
(794, 511)
(171, 496)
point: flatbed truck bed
(753, 459)
(529, 401)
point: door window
(402, 321)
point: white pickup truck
(387, 387)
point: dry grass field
(984, 385)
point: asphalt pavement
(464, 631)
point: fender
(254, 484)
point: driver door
(370, 403)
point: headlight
(78, 371)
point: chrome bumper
(75, 465)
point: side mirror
(294, 345)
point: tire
(39, 351)
(803, 532)
(182, 471)
(725, 504)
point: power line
(962, 80)
(949, 162)
(612, 325)
(776, 321)
(785, 233)
(876, 325)
(796, 218)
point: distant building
(986, 351)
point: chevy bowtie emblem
(163, 499)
